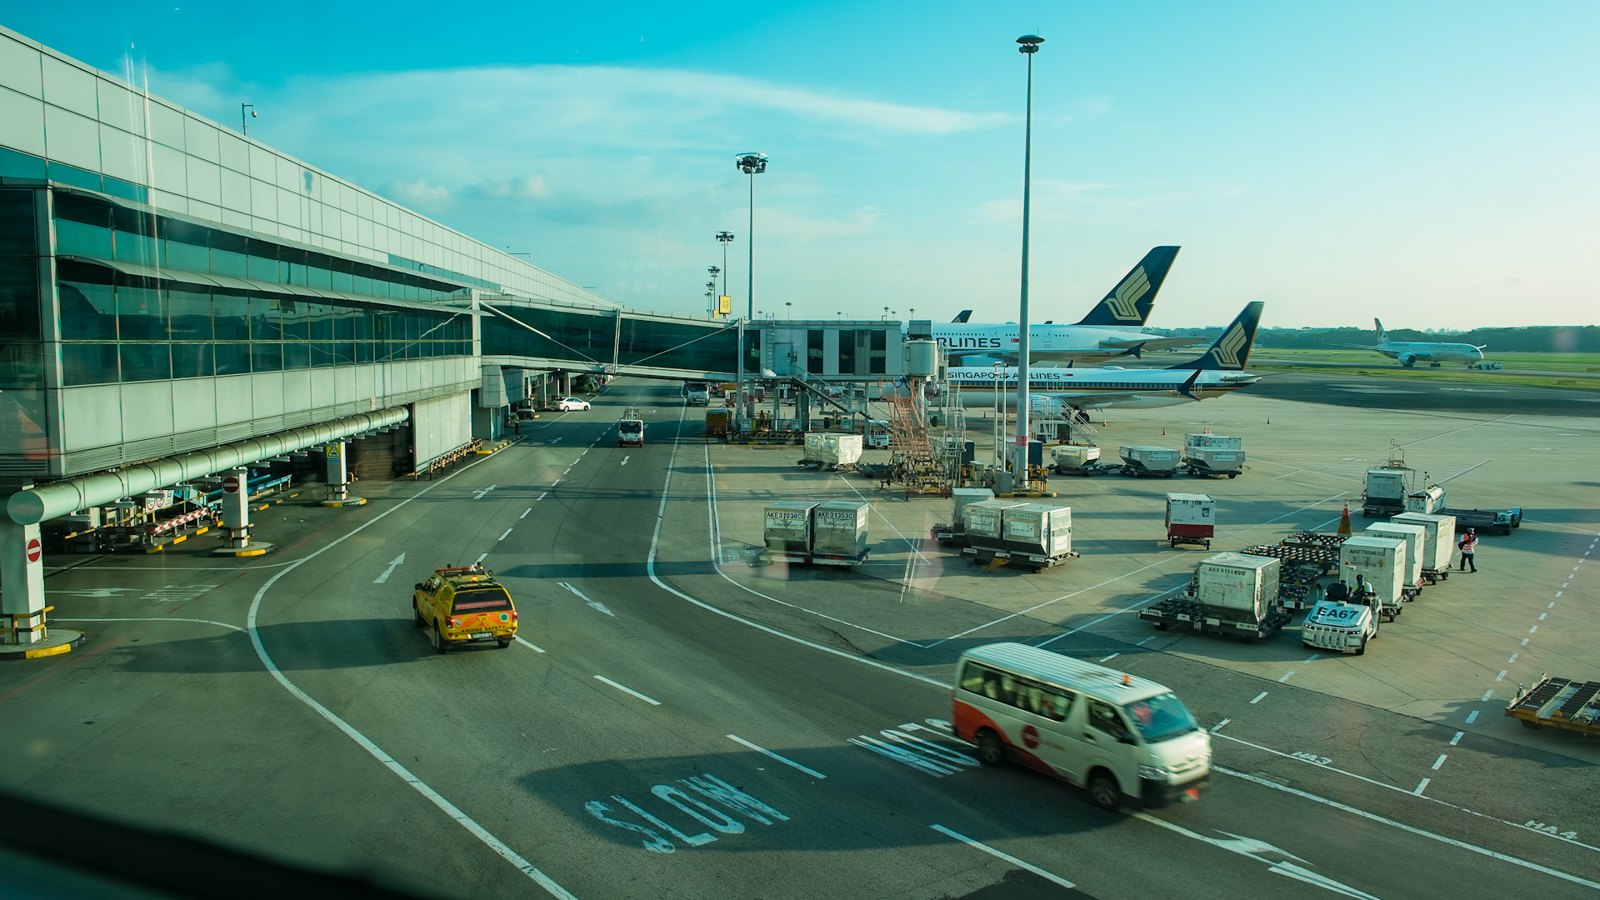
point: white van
(1118, 735)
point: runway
(1420, 394)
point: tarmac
(1455, 656)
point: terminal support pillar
(236, 515)
(22, 580)
(338, 477)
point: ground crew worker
(1469, 546)
(1362, 591)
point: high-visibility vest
(1469, 543)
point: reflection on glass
(266, 357)
(141, 314)
(191, 360)
(265, 324)
(232, 359)
(88, 311)
(145, 362)
(296, 356)
(19, 299)
(89, 363)
(231, 315)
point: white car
(572, 403)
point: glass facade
(590, 336)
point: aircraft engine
(1407, 359)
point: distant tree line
(1539, 339)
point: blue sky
(1429, 163)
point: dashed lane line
(1005, 856)
(783, 759)
(628, 690)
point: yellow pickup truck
(462, 605)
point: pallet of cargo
(1185, 613)
(1558, 703)
(1230, 595)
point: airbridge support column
(236, 515)
(339, 477)
(23, 630)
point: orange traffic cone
(1344, 520)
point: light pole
(716, 307)
(751, 164)
(1029, 46)
(244, 123)
(725, 237)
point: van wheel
(1161, 626)
(416, 615)
(1103, 791)
(502, 643)
(991, 752)
(440, 645)
(1361, 650)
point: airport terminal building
(178, 300)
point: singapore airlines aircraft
(1112, 329)
(1410, 353)
(1218, 372)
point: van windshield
(1161, 718)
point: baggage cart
(1189, 519)
(1558, 703)
(1149, 462)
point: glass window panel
(412, 292)
(20, 165)
(17, 235)
(296, 356)
(227, 262)
(139, 249)
(82, 209)
(116, 187)
(344, 322)
(89, 363)
(344, 353)
(321, 322)
(78, 239)
(381, 288)
(318, 277)
(21, 365)
(296, 320)
(364, 351)
(363, 285)
(231, 316)
(261, 268)
(343, 281)
(321, 354)
(189, 314)
(19, 299)
(88, 312)
(191, 361)
(297, 274)
(363, 320)
(266, 357)
(145, 362)
(232, 359)
(184, 256)
(265, 322)
(73, 175)
(413, 326)
(141, 314)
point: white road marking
(1439, 762)
(628, 690)
(481, 558)
(1285, 676)
(1542, 615)
(593, 603)
(525, 512)
(1005, 856)
(179, 593)
(1312, 657)
(417, 784)
(1533, 629)
(478, 495)
(1472, 717)
(390, 571)
(1258, 698)
(783, 759)
(1524, 642)
(1457, 739)
(531, 646)
(1486, 696)
(543, 495)
(506, 535)
(1145, 641)
(1259, 851)
(1373, 817)
(554, 483)
(1501, 676)
(1112, 656)
(154, 619)
(1551, 605)
(1513, 657)
(1421, 786)
(1219, 725)
(625, 460)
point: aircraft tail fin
(1232, 350)
(962, 317)
(1383, 336)
(1129, 303)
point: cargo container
(1414, 536)
(1075, 459)
(1189, 519)
(1430, 500)
(1438, 547)
(1381, 560)
(1148, 461)
(1231, 594)
(788, 526)
(828, 450)
(985, 530)
(717, 421)
(1212, 442)
(954, 532)
(1038, 534)
(839, 533)
(1387, 487)
(1213, 454)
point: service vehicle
(463, 605)
(697, 393)
(1078, 459)
(570, 404)
(1339, 625)
(1434, 501)
(1559, 703)
(1213, 454)
(1122, 737)
(1230, 595)
(630, 428)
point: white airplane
(1410, 352)
(1218, 372)
(1112, 329)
